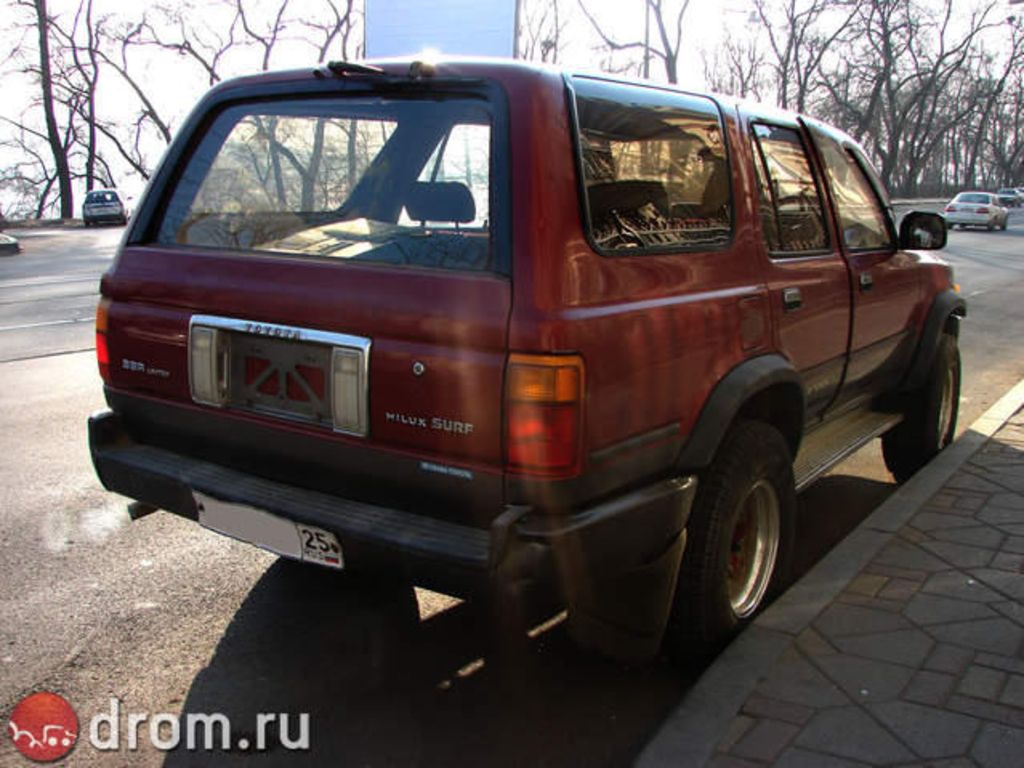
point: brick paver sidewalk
(920, 660)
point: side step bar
(829, 444)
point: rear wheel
(930, 415)
(739, 539)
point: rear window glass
(404, 182)
(101, 197)
(973, 197)
(655, 170)
(792, 216)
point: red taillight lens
(950, 208)
(982, 210)
(545, 397)
(542, 437)
(102, 351)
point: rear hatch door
(328, 277)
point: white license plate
(256, 526)
(320, 546)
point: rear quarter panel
(656, 332)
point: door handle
(792, 299)
(867, 282)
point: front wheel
(929, 422)
(739, 539)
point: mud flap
(624, 614)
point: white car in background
(976, 209)
(104, 206)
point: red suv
(520, 334)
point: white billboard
(457, 27)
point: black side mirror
(922, 231)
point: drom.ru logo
(43, 727)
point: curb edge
(690, 733)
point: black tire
(930, 414)
(752, 468)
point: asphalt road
(170, 618)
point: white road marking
(45, 324)
(74, 277)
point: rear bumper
(104, 218)
(575, 553)
(971, 219)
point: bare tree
(336, 30)
(799, 41)
(668, 32)
(56, 139)
(737, 67)
(893, 89)
(541, 27)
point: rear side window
(861, 218)
(405, 182)
(654, 166)
(792, 217)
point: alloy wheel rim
(753, 549)
(946, 406)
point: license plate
(320, 546)
(276, 534)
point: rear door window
(791, 211)
(654, 167)
(404, 182)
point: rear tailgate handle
(792, 299)
(867, 282)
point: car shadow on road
(383, 687)
(829, 510)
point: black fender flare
(727, 400)
(943, 317)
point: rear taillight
(544, 411)
(983, 209)
(950, 208)
(102, 350)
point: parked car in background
(976, 209)
(103, 206)
(1009, 197)
(540, 332)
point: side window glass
(861, 218)
(790, 203)
(655, 171)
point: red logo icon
(43, 727)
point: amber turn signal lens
(545, 378)
(543, 414)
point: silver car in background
(103, 206)
(976, 209)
